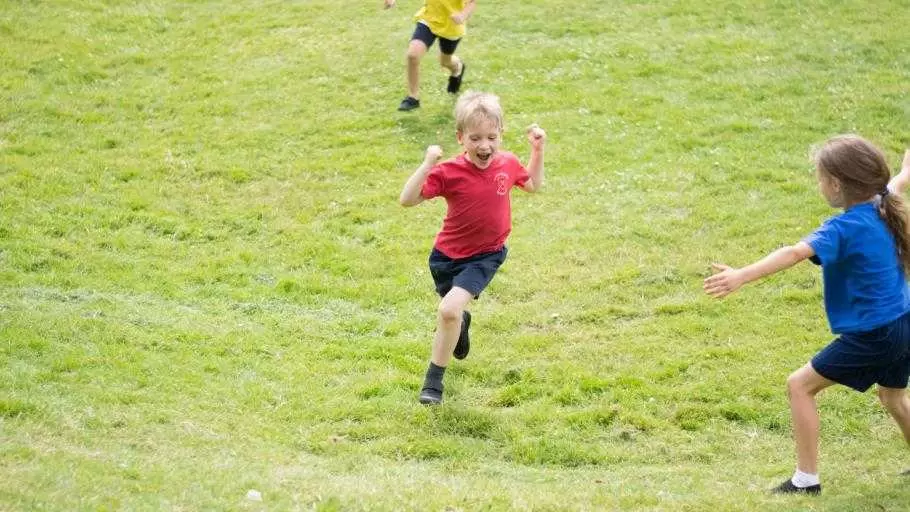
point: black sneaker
(455, 81)
(409, 103)
(787, 487)
(430, 396)
(464, 340)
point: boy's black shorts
(423, 33)
(473, 273)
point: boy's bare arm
(899, 183)
(410, 194)
(537, 137)
(462, 17)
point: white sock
(801, 479)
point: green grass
(207, 285)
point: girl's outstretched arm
(728, 279)
(899, 183)
(410, 194)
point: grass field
(207, 286)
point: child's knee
(793, 384)
(806, 381)
(449, 312)
(894, 400)
(416, 50)
(798, 384)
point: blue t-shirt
(865, 287)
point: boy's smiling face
(480, 141)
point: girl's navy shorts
(858, 360)
(423, 33)
(473, 273)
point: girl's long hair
(863, 173)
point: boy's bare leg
(416, 50)
(897, 403)
(456, 71)
(802, 386)
(448, 327)
(450, 62)
(448, 324)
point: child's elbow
(533, 186)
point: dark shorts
(423, 33)
(858, 360)
(473, 273)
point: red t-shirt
(479, 216)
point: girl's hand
(726, 281)
(459, 18)
(389, 3)
(434, 153)
(905, 165)
(536, 136)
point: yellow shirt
(437, 14)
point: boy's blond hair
(473, 107)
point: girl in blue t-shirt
(865, 256)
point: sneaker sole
(787, 487)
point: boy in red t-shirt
(470, 247)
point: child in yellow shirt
(443, 19)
